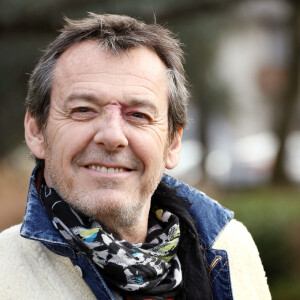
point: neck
(133, 232)
(133, 236)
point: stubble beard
(117, 216)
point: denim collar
(211, 217)
(38, 226)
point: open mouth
(104, 169)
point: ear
(34, 137)
(174, 149)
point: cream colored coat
(28, 270)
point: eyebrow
(132, 102)
(81, 96)
(142, 103)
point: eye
(139, 118)
(82, 113)
(81, 109)
(140, 115)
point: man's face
(106, 140)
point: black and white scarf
(150, 268)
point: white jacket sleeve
(28, 270)
(248, 277)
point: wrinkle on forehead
(79, 56)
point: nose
(110, 131)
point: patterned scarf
(151, 268)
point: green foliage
(272, 215)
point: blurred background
(242, 144)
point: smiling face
(106, 142)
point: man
(105, 111)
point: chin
(102, 206)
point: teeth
(106, 170)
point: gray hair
(115, 33)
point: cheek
(149, 148)
(67, 141)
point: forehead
(88, 61)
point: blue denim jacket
(209, 215)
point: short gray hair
(117, 34)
